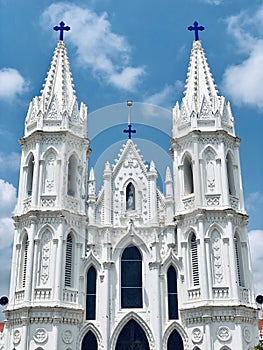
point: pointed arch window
(230, 175)
(30, 175)
(25, 245)
(175, 341)
(130, 197)
(132, 336)
(194, 260)
(172, 293)
(72, 176)
(131, 278)
(89, 342)
(188, 176)
(69, 261)
(91, 294)
(239, 263)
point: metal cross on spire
(129, 131)
(196, 28)
(61, 29)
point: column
(35, 187)
(59, 272)
(202, 259)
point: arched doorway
(132, 337)
(175, 341)
(89, 342)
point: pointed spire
(59, 82)
(200, 83)
(57, 107)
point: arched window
(175, 341)
(188, 176)
(194, 260)
(132, 336)
(131, 278)
(230, 175)
(24, 256)
(30, 174)
(89, 342)
(91, 294)
(239, 263)
(69, 261)
(72, 176)
(172, 293)
(130, 197)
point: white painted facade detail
(70, 239)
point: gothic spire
(202, 107)
(57, 106)
(200, 82)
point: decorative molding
(223, 334)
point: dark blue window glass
(89, 342)
(175, 341)
(131, 278)
(172, 293)
(132, 337)
(91, 294)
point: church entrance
(175, 341)
(89, 342)
(132, 337)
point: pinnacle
(199, 83)
(59, 82)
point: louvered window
(194, 261)
(68, 262)
(91, 294)
(240, 274)
(172, 293)
(25, 252)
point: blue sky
(135, 50)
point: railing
(212, 199)
(48, 201)
(244, 295)
(42, 294)
(220, 292)
(194, 293)
(188, 202)
(70, 296)
(234, 202)
(20, 295)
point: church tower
(50, 216)
(128, 266)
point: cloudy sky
(135, 50)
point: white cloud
(12, 83)
(166, 96)
(107, 54)
(254, 201)
(243, 82)
(7, 206)
(9, 161)
(213, 2)
(256, 248)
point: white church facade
(128, 267)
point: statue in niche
(50, 173)
(130, 197)
(210, 172)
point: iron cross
(61, 29)
(130, 131)
(196, 28)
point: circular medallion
(67, 336)
(247, 334)
(40, 335)
(197, 335)
(17, 337)
(224, 333)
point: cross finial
(129, 131)
(196, 28)
(61, 29)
